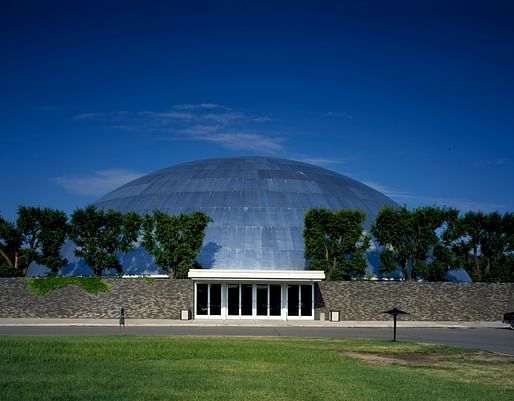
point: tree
(44, 231)
(335, 242)
(174, 241)
(483, 243)
(100, 235)
(411, 240)
(38, 236)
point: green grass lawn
(221, 368)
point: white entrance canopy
(225, 275)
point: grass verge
(222, 368)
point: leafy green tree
(335, 242)
(174, 241)
(38, 236)
(44, 232)
(100, 235)
(483, 243)
(411, 240)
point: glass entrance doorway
(208, 300)
(254, 301)
(269, 299)
(299, 300)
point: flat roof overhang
(289, 276)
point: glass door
(233, 299)
(208, 300)
(262, 300)
(299, 301)
(215, 300)
(246, 299)
(275, 300)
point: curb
(243, 323)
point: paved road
(499, 340)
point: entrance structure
(254, 294)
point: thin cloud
(423, 200)
(47, 108)
(98, 183)
(244, 141)
(208, 122)
(387, 190)
(343, 115)
(459, 203)
(201, 106)
(88, 116)
(107, 117)
(499, 162)
(319, 161)
(169, 115)
(261, 119)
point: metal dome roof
(257, 204)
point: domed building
(253, 251)
(257, 204)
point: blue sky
(413, 98)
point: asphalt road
(500, 340)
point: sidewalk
(244, 323)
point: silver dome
(257, 204)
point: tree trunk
(476, 268)
(406, 270)
(2, 253)
(327, 258)
(488, 266)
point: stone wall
(366, 300)
(355, 300)
(157, 299)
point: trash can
(334, 316)
(185, 314)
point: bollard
(122, 317)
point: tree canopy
(335, 242)
(38, 235)
(483, 244)
(174, 241)
(100, 235)
(411, 240)
(425, 243)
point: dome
(257, 205)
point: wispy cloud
(335, 114)
(208, 122)
(423, 200)
(499, 162)
(47, 108)
(201, 106)
(98, 183)
(244, 141)
(87, 116)
(319, 161)
(393, 193)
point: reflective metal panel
(257, 204)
